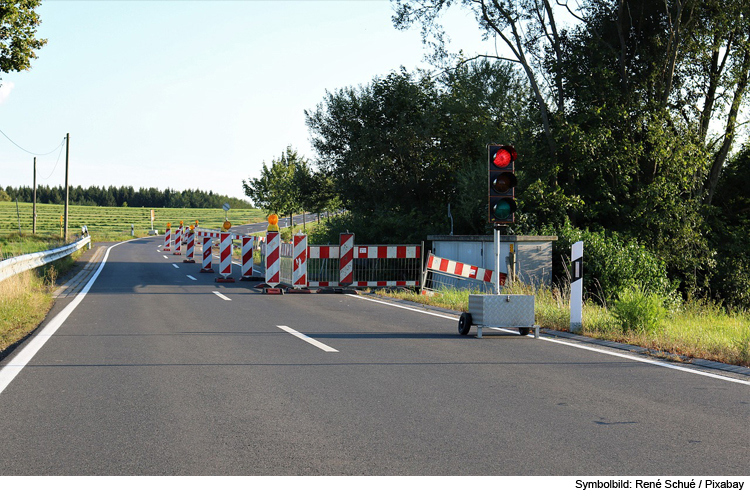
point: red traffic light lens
(503, 156)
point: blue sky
(190, 94)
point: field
(113, 223)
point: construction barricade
(207, 255)
(190, 250)
(351, 265)
(167, 240)
(440, 274)
(178, 241)
(225, 258)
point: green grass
(26, 298)
(113, 223)
(697, 330)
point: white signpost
(576, 287)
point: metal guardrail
(18, 264)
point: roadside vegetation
(26, 298)
(691, 330)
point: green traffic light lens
(504, 209)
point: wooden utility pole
(33, 210)
(67, 186)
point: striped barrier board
(248, 244)
(299, 267)
(190, 248)
(346, 251)
(167, 240)
(273, 262)
(225, 258)
(212, 233)
(458, 269)
(207, 255)
(368, 252)
(178, 241)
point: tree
(18, 41)
(275, 190)
(399, 149)
(636, 104)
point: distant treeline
(124, 196)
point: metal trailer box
(499, 310)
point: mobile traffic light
(502, 182)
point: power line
(28, 151)
(58, 160)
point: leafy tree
(275, 190)
(636, 108)
(399, 148)
(18, 41)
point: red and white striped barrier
(225, 258)
(458, 269)
(248, 244)
(178, 241)
(368, 252)
(190, 251)
(207, 255)
(365, 252)
(346, 258)
(299, 266)
(212, 233)
(273, 259)
(167, 240)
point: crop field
(109, 223)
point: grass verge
(695, 330)
(26, 298)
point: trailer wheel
(464, 324)
(524, 330)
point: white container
(499, 310)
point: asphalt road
(153, 373)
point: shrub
(639, 311)
(611, 263)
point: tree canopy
(637, 106)
(18, 40)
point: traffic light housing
(501, 183)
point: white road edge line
(11, 369)
(550, 340)
(307, 339)
(222, 296)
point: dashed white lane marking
(176, 267)
(165, 257)
(307, 339)
(582, 347)
(222, 296)
(191, 277)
